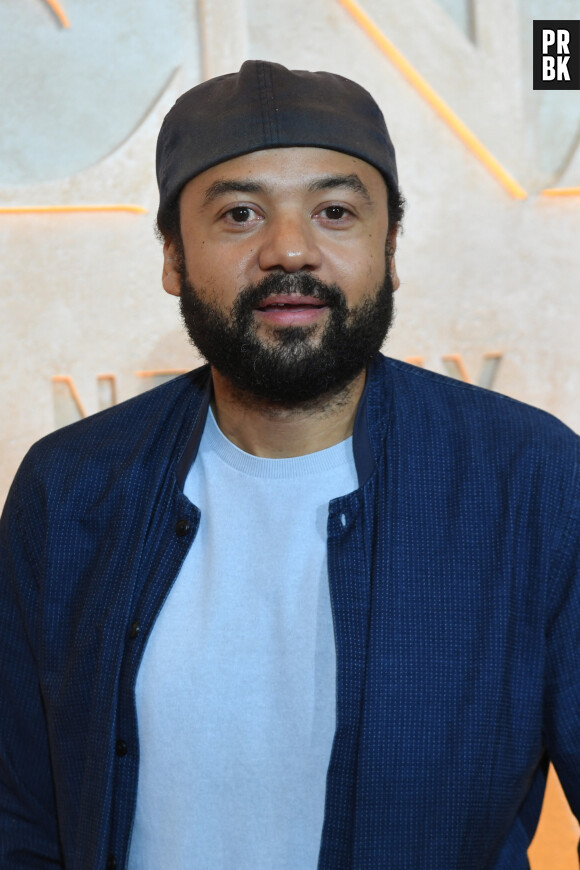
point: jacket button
(121, 747)
(134, 630)
(182, 528)
(111, 862)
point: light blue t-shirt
(236, 690)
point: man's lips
(290, 310)
(294, 299)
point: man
(306, 606)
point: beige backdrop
(489, 281)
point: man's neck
(265, 429)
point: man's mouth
(290, 309)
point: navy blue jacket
(455, 588)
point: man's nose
(289, 243)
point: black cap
(265, 105)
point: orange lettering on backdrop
(67, 403)
(456, 368)
(59, 12)
(555, 845)
(70, 209)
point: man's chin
(288, 395)
(302, 339)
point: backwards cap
(265, 105)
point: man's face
(285, 285)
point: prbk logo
(556, 55)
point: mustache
(283, 284)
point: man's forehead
(309, 169)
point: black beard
(291, 370)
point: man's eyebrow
(352, 182)
(326, 182)
(233, 185)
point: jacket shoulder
(463, 438)
(105, 444)
(427, 396)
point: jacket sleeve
(562, 688)
(28, 827)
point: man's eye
(335, 212)
(241, 213)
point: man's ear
(171, 277)
(391, 248)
